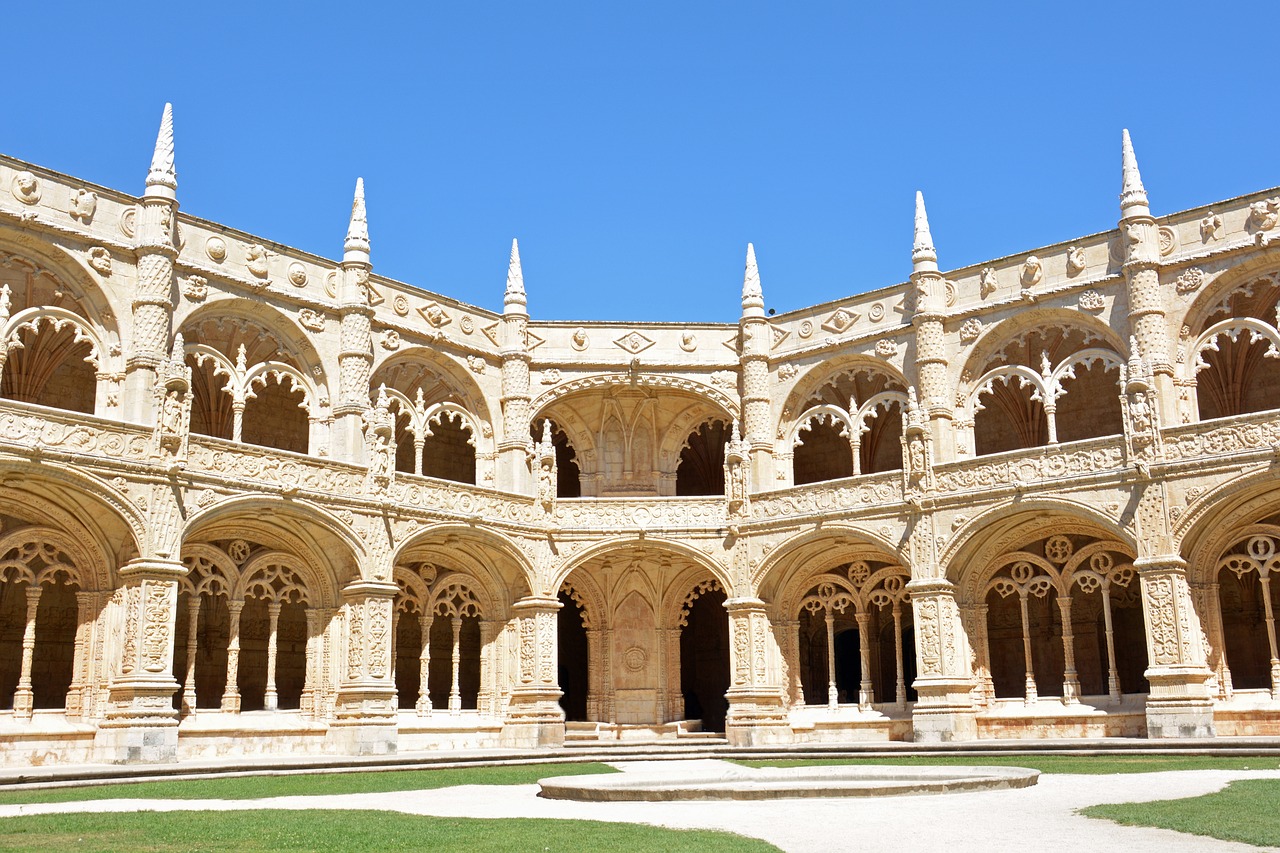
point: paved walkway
(1036, 818)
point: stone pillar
(152, 303)
(1140, 237)
(24, 697)
(944, 709)
(365, 719)
(231, 690)
(931, 352)
(755, 342)
(757, 706)
(141, 724)
(355, 357)
(1179, 702)
(513, 445)
(534, 716)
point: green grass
(1243, 811)
(1087, 764)
(304, 784)
(321, 831)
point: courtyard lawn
(1087, 764)
(306, 784)
(1244, 811)
(156, 832)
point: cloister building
(256, 501)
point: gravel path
(1036, 818)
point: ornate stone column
(141, 724)
(193, 625)
(944, 709)
(755, 342)
(757, 706)
(1140, 237)
(231, 690)
(355, 359)
(534, 717)
(152, 302)
(928, 318)
(1179, 703)
(24, 697)
(365, 718)
(513, 446)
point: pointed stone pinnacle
(923, 256)
(178, 355)
(752, 293)
(162, 180)
(356, 247)
(1133, 196)
(514, 298)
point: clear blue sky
(634, 149)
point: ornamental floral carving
(194, 287)
(970, 330)
(1091, 300)
(1190, 281)
(312, 320)
(886, 348)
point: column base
(757, 719)
(365, 738)
(530, 734)
(944, 711)
(126, 742)
(534, 719)
(1179, 704)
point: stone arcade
(256, 501)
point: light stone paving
(1039, 817)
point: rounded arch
(239, 313)
(999, 335)
(1212, 520)
(688, 584)
(266, 575)
(584, 589)
(405, 369)
(71, 268)
(831, 545)
(108, 528)
(297, 528)
(644, 380)
(823, 372)
(489, 556)
(1209, 300)
(648, 544)
(981, 540)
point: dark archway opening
(572, 668)
(408, 666)
(701, 468)
(704, 661)
(823, 454)
(848, 665)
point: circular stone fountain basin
(735, 782)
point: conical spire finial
(924, 258)
(752, 293)
(356, 247)
(162, 180)
(1133, 196)
(514, 298)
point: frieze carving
(1035, 465)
